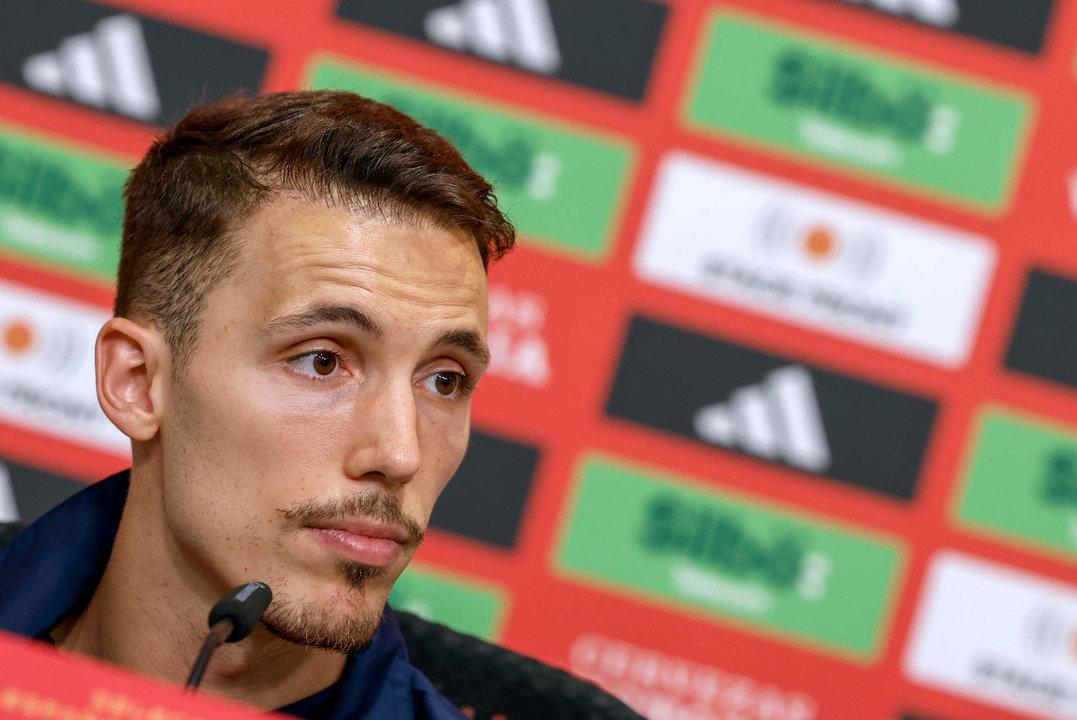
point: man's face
(322, 413)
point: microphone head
(244, 606)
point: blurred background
(782, 421)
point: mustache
(378, 506)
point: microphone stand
(230, 620)
(217, 636)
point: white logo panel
(47, 368)
(804, 256)
(997, 635)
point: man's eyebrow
(469, 341)
(323, 314)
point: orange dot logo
(18, 337)
(820, 243)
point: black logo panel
(121, 62)
(772, 408)
(485, 499)
(605, 45)
(28, 493)
(1018, 24)
(1044, 340)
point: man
(300, 321)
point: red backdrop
(783, 411)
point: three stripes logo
(942, 13)
(1018, 24)
(124, 63)
(605, 45)
(778, 419)
(108, 67)
(517, 31)
(771, 408)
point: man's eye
(321, 362)
(447, 383)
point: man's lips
(363, 540)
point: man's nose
(385, 437)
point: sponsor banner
(1071, 191)
(121, 62)
(772, 408)
(541, 314)
(560, 186)
(1018, 24)
(468, 507)
(798, 254)
(467, 606)
(657, 685)
(519, 350)
(729, 557)
(47, 381)
(953, 137)
(28, 493)
(60, 205)
(1044, 339)
(42, 684)
(605, 45)
(996, 635)
(1021, 481)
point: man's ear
(133, 366)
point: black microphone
(231, 620)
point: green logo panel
(560, 186)
(1021, 482)
(946, 135)
(730, 558)
(463, 605)
(59, 205)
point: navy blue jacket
(52, 568)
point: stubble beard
(345, 625)
(348, 622)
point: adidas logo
(519, 31)
(778, 419)
(108, 67)
(943, 13)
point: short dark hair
(199, 181)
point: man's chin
(324, 627)
(343, 621)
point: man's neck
(144, 617)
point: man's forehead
(304, 264)
(286, 216)
(294, 240)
